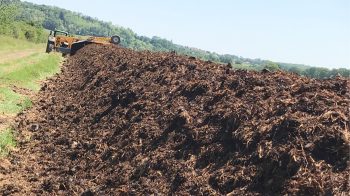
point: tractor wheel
(49, 47)
(115, 39)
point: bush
(23, 30)
(271, 66)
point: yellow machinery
(61, 41)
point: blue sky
(314, 32)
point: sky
(312, 32)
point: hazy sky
(314, 32)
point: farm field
(115, 121)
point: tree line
(29, 21)
(13, 23)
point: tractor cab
(60, 41)
(58, 32)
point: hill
(53, 17)
(121, 122)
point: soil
(120, 122)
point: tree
(312, 72)
(7, 11)
(341, 71)
(271, 66)
(324, 73)
(34, 16)
(296, 70)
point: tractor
(61, 41)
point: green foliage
(243, 66)
(8, 9)
(27, 26)
(7, 141)
(49, 17)
(295, 70)
(271, 66)
(323, 73)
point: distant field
(23, 65)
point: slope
(53, 17)
(116, 121)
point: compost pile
(117, 121)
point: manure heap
(117, 121)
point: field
(22, 66)
(120, 122)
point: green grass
(28, 71)
(12, 103)
(7, 141)
(25, 73)
(9, 44)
